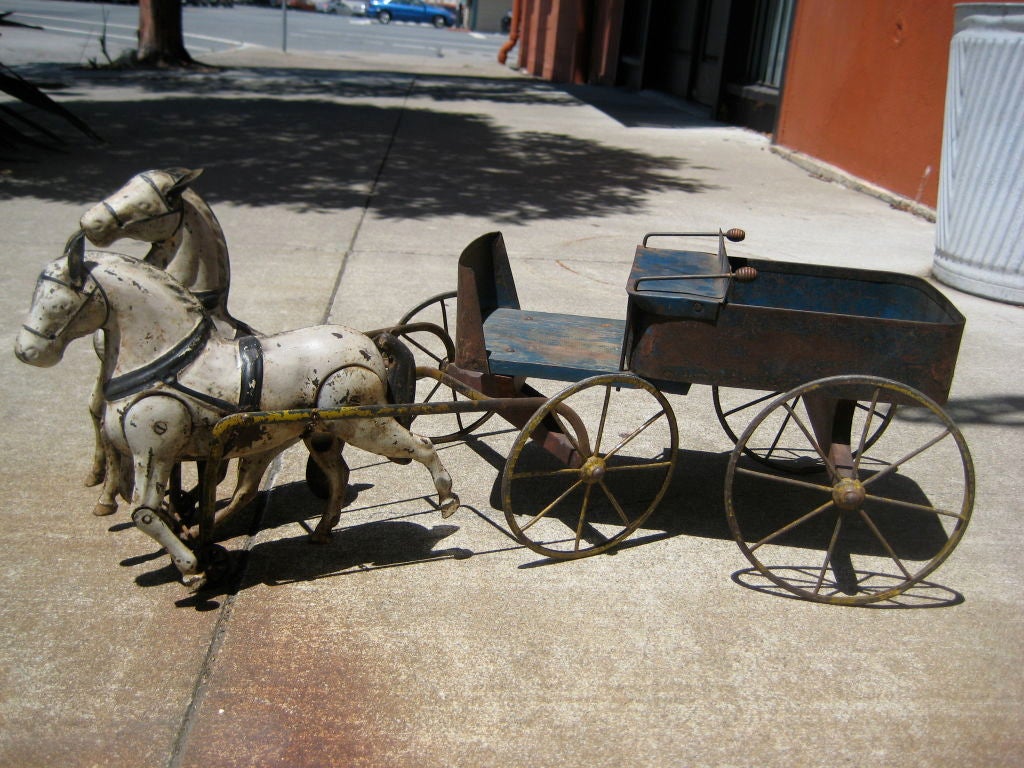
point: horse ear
(182, 177)
(74, 251)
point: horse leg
(325, 449)
(251, 469)
(100, 451)
(107, 502)
(383, 436)
(157, 429)
(386, 437)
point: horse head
(147, 208)
(67, 304)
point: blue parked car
(386, 11)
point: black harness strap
(250, 353)
(209, 299)
(164, 368)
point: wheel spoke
(544, 512)
(430, 395)
(778, 435)
(912, 505)
(583, 517)
(885, 542)
(751, 404)
(635, 467)
(626, 440)
(423, 348)
(604, 419)
(828, 554)
(615, 503)
(790, 526)
(544, 473)
(866, 430)
(809, 435)
(785, 480)
(900, 462)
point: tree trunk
(161, 41)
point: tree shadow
(996, 410)
(284, 138)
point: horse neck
(200, 262)
(149, 314)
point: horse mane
(162, 252)
(94, 259)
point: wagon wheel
(432, 347)
(783, 447)
(867, 532)
(621, 467)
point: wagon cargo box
(791, 323)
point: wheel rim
(862, 538)
(433, 348)
(782, 446)
(626, 448)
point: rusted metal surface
(798, 322)
(877, 533)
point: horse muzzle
(37, 351)
(99, 226)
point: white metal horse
(160, 207)
(168, 379)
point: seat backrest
(485, 284)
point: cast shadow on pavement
(353, 549)
(693, 506)
(291, 142)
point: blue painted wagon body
(829, 354)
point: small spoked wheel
(618, 441)
(878, 522)
(780, 444)
(426, 329)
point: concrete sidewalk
(347, 189)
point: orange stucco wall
(865, 89)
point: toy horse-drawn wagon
(816, 360)
(848, 483)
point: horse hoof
(320, 538)
(95, 477)
(103, 510)
(449, 506)
(194, 582)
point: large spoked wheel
(623, 452)
(868, 531)
(780, 444)
(426, 329)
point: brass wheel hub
(593, 470)
(848, 494)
